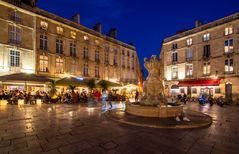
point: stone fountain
(153, 102)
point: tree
(103, 84)
(72, 88)
(53, 87)
(91, 84)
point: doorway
(228, 90)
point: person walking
(136, 96)
(110, 99)
(104, 99)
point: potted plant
(91, 85)
(54, 97)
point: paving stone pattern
(56, 129)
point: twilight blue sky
(144, 22)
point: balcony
(97, 76)
(106, 63)
(229, 72)
(229, 53)
(14, 41)
(97, 61)
(43, 48)
(59, 52)
(174, 62)
(115, 64)
(206, 58)
(189, 59)
(85, 57)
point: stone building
(35, 41)
(204, 59)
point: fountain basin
(162, 111)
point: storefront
(194, 88)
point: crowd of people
(12, 96)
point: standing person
(110, 99)
(104, 99)
(184, 98)
(136, 96)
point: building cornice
(50, 16)
(204, 27)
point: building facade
(204, 59)
(35, 41)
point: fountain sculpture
(153, 102)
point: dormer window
(86, 38)
(206, 37)
(44, 25)
(174, 46)
(96, 42)
(73, 35)
(189, 42)
(59, 30)
(228, 30)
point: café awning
(209, 82)
(24, 77)
(71, 81)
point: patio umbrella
(71, 81)
(109, 83)
(24, 77)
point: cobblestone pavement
(54, 129)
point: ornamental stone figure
(153, 86)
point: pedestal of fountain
(153, 103)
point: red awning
(199, 83)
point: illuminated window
(206, 68)
(217, 90)
(229, 65)
(189, 42)
(85, 69)
(43, 63)
(194, 90)
(59, 65)
(73, 35)
(229, 45)
(59, 30)
(228, 30)
(72, 49)
(59, 46)
(206, 37)
(43, 42)
(14, 58)
(44, 25)
(174, 72)
(14, 34)
(189, 70)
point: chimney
(76, 18)
(33, 3)
(98, 27)
(198, 23)
(113, 33)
